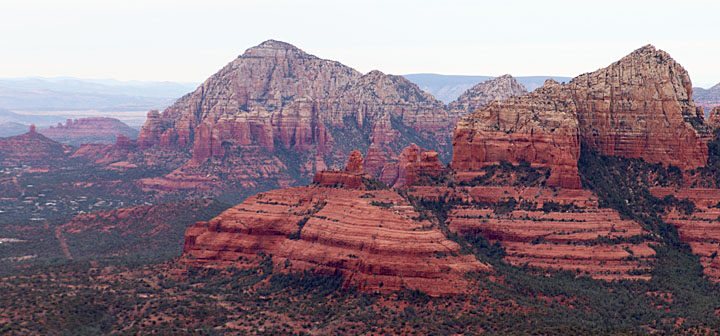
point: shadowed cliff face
(638, 107)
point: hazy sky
(190, 40)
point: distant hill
(40, 120)
(8, 129)
(65, 94)
(89, 130)
(707, 98)
(447, 88)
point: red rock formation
(713, 120)
(638, 107)
(500, 89)
(642, 107)
(33, 149)
(287, 106)
(699, 229)
(351, 178)
(370, 237)
(563, 229)
(426, 163)
(89, 130)
(355, 162)
(540, 128)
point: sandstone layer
(638, 107)
(278, 109)
(701, 229)
(32, 148)
(540, 128)
(563, 229)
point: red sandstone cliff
(713, 120)
(368, 236)
(540, 128)
(34, 149)
(641, 107)
(638, 107)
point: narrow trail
(63, 243)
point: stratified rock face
(707, 98)
(370, 237)
(562, 229)
(499, 89)
(540, 128)
(713, 120)
(277, 103)
(642, 107)
(89, 130)
(638, 107)
(33, 149)
(351, 178)
(412, 162)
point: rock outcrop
(707, 98)
(699, 229)
(641, 107)
(276, 103)
(638, 107)
(540, 128)
(351, 178)
(713, 120)
(33, 149)
(89, 130)
(563, 229)
(370, 237)
(499, 89)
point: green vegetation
(508, 174)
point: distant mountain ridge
(65, 93)
(707, 98)
(447, 88)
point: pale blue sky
(190, 40)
